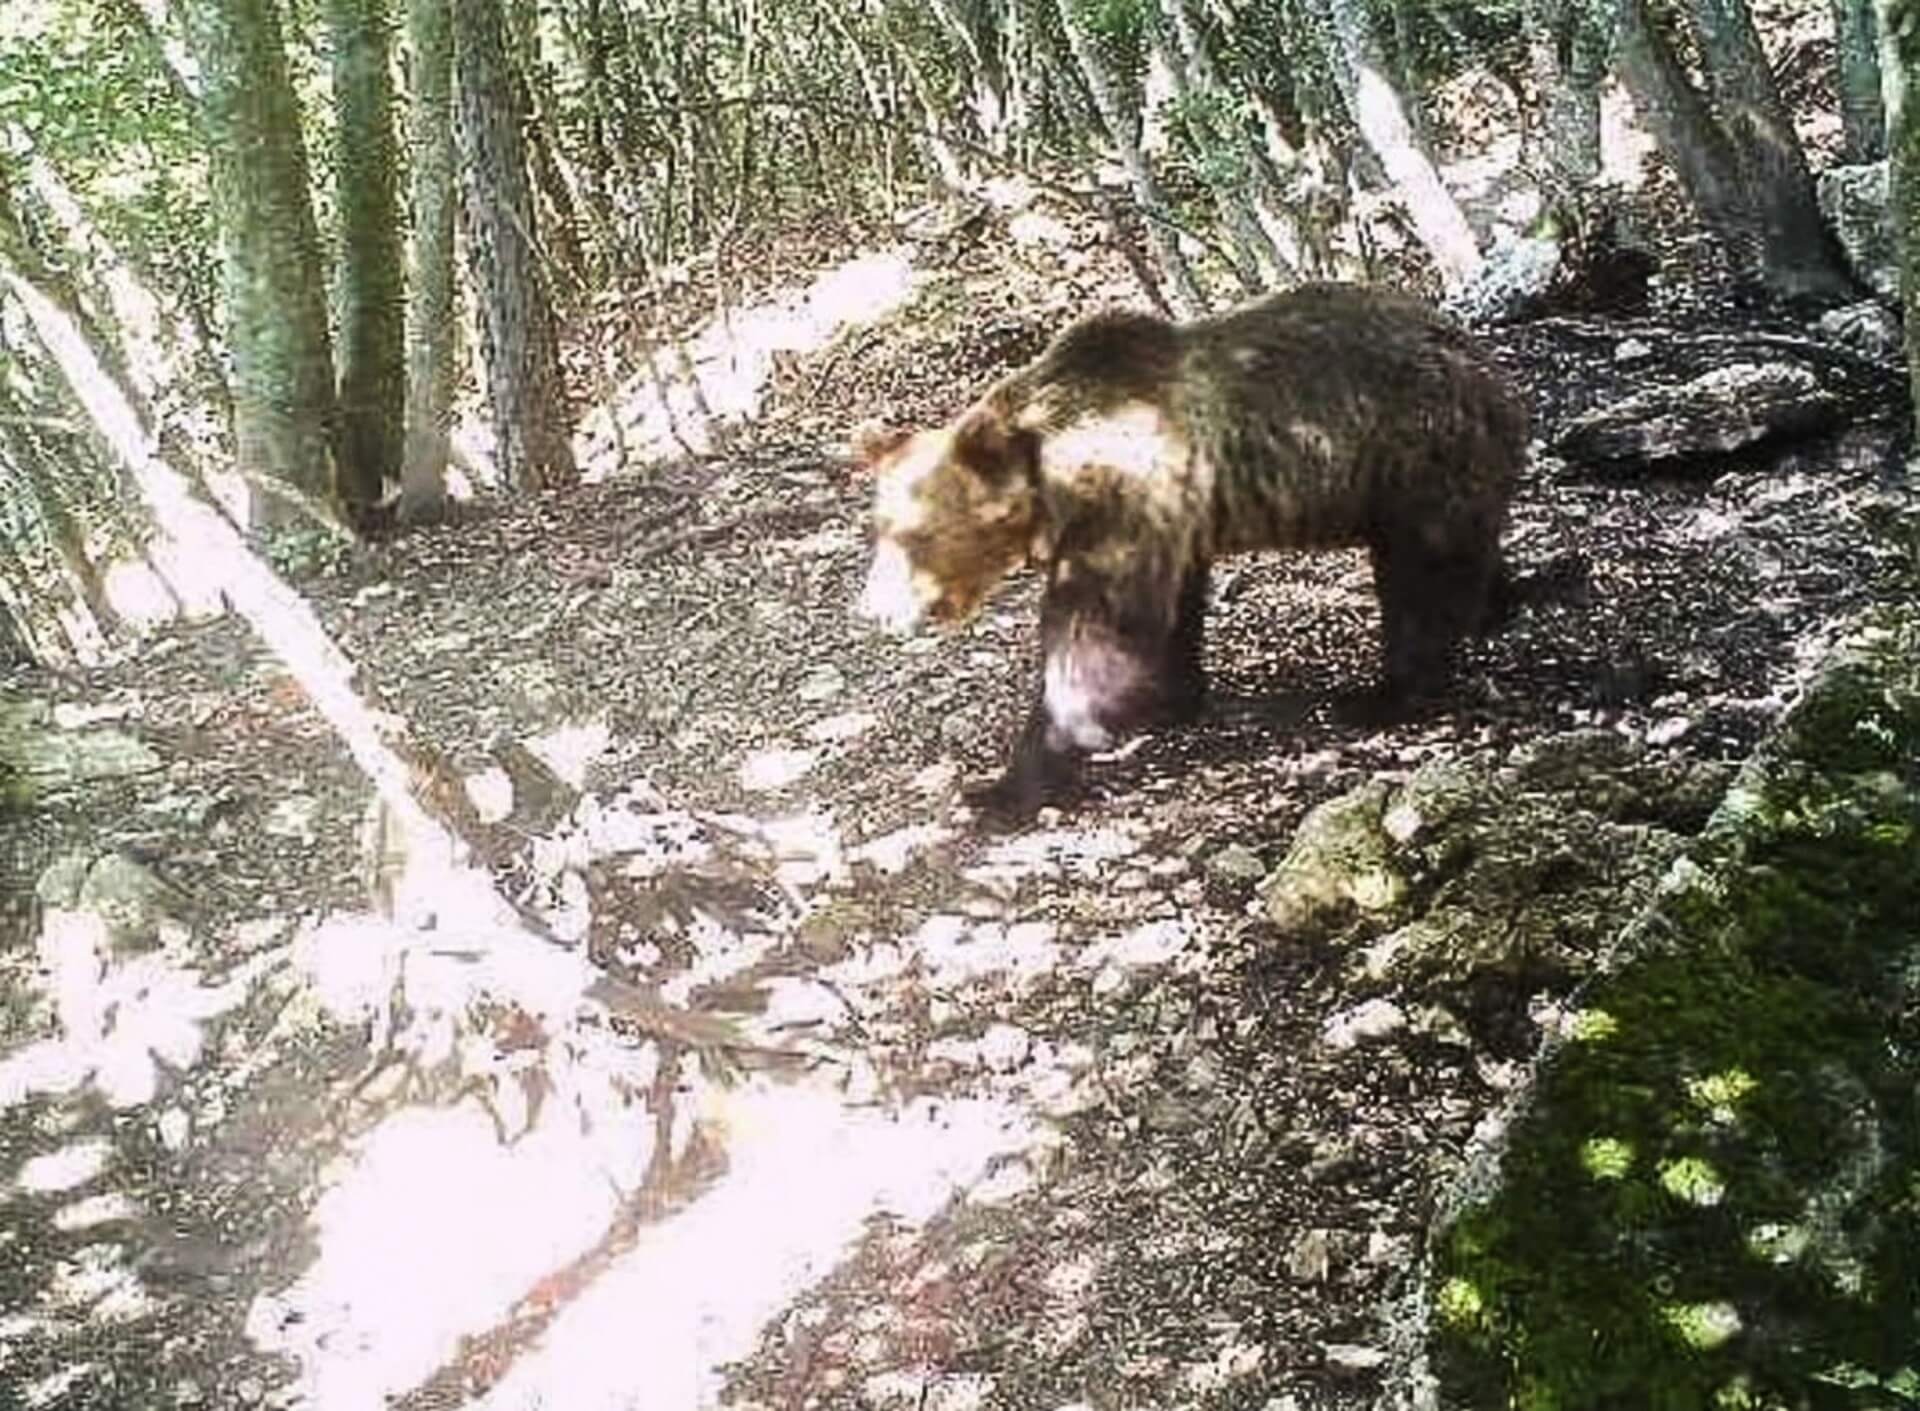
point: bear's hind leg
(1432, 595)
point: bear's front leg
(1044, 768)
(1104, 674)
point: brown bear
(1134, 452)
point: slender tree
(1121, 131)
(430, 320)
(1856, 41)
(1382, 112)
(1900, 70)
(530, 415)
(283, 393)
(372, 290)
(1569, 45)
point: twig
(1087, 200)
(784, 517)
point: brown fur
(1134, 452)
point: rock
(127, 897)
(820, 684)
(1372, 1019)
(1720, 412)
(1727, 1119)
(174, 1129)
(1311, 1256)
(1237, 863)
(1353, 1357)
(293, 816)
(1665, 732)
(37, 757)
(1632, 350)
(1511, 281)
(1854, 201)
(1866, 327)
(1338, 865)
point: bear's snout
(895, 597)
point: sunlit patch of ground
(436, 1232)
(597, 1217)
(720, 375)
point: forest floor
(1151, 1147)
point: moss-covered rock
(1510, 869)
(1713, 1197)
(37, 757)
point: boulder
(1704, 1194)
(1716, 414)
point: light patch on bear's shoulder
(1133, 440)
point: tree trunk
(432, 329)
(947, 166)
(546, 162)
(1243, 184)
(1856, 40)
(1569, 46)
(530, 413)
(1682, 127)
(1798, 256)
(283, 394)
(1183, 293)
(58, 605)
(1380, 111)
(1899, 65)
(372, 291)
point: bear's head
(954, 511)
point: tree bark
(520, 343)
(431, 327)
(1798, 256)
(283, 391)
(1183, 293)
(1380, 111)
(1677, 116)
(1899, 68)
(1856, 43)
(371, 285)
(1569, 45)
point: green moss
(1713, 1201)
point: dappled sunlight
(1607, 1158)
(65, 1168)
(805, 1176)
(1702, 1326)
(122, 1020)
(436, 1231)
(1627, 149)
(585, 1221)
(729, 362)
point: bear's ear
(872, 440)
(989, 445)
